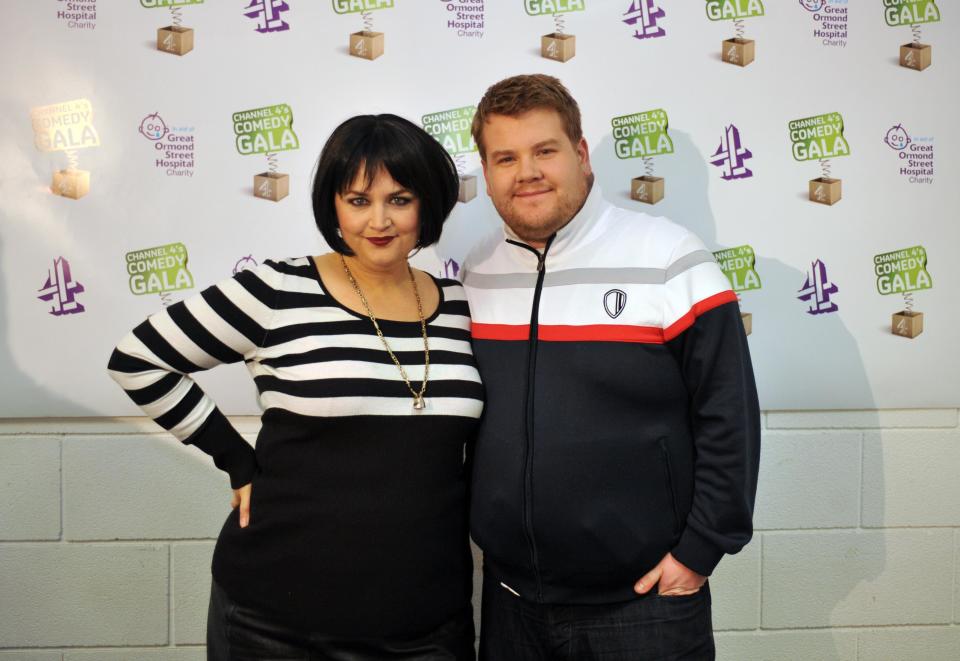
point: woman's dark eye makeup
(399, 200)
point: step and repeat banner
(153, 147)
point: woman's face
(380, 224)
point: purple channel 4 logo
(61, 290)
(731, 156)
(642, 16)
(451, 269)
(268, 14)
(817, 290)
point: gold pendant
(418, 404)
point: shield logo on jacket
(614, 301)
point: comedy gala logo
(558, 45)
(451, 128)
(903, 272)
(739, 265)
(173, 38)
(267, 130)
(66, 127)
(820, 138)
(914, 55)
(158, 270)
(643, 135)
(738, 50)
(365, 44)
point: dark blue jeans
(236, 633)
(643, 629)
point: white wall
(107, 526)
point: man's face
(536, 177)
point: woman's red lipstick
(380, 240)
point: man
(617, 458)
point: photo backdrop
(152, 148)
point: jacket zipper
(529, 413)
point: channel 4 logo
(642, 16)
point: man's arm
(710, 345)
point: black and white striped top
(351, 486)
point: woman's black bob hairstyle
(414, 159)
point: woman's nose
(379, 219)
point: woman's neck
(372, 279)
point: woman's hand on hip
(241, 499)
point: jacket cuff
(695, 552)
(230, 452)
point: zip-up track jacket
(622, 419)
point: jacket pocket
(668, 478)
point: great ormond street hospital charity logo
(915, 154)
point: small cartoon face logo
(244, 263)
(153, 127)
(813, 5)
(897, 138)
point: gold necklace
(418, 403)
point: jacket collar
(578, 231)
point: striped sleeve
(225, 323)
(693, 285)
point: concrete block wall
(107, 528)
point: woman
(348, 538)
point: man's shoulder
(637, 236)
(483, 251)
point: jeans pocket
(694, 596)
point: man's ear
(583, 155)
(483, 164)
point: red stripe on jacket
(601, 332)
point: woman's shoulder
(275, 268)
(449, 287)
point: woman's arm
(225, 323)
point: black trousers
(643, 629)
(237, 633)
